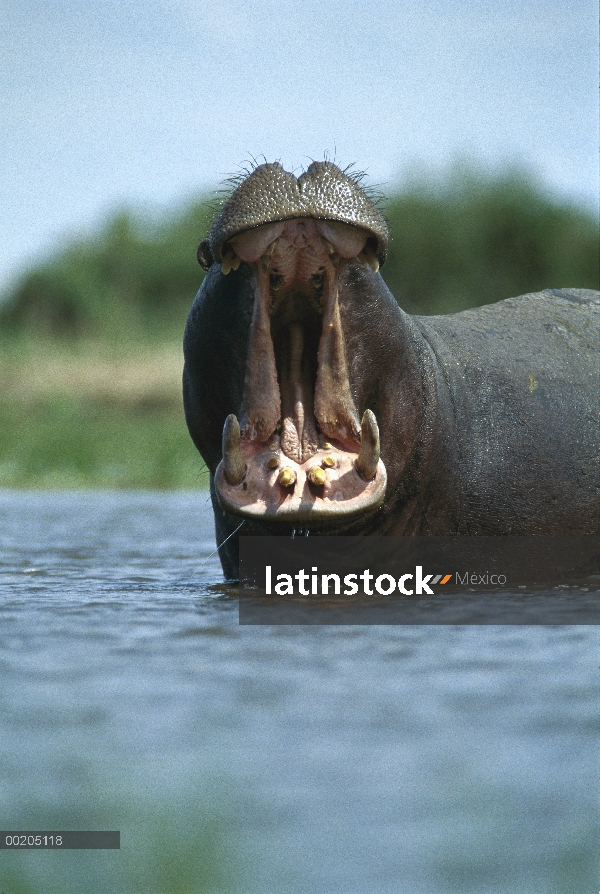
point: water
(273, 759)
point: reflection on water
(272, 759)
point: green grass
(94, 415)
(64, 442)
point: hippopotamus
(320, 407)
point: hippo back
(524, 380)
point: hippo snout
(298, 446)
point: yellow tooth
(273, 463)
(273, 446)
(329, 461)
(316, 475)
(230, 262)
(368, 257)
(326, 445)
(287, 477)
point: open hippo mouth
(300, 451)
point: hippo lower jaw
(301, 454)
(333, 483)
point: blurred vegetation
(472, 238)
(65, 443)
(458, 241)
(89, 414)
(131, 282)
(106, 308)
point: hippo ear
(204, 255)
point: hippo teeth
(230, 262)
(368, 457)
(233, 460)
(367, 256)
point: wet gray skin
(317, 403)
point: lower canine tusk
(368, 457)
(233, 460)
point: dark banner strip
(60, 840)
(420, 580)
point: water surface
(273, 759)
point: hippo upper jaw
(300, 453)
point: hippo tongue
(333, 405)
(299, 438)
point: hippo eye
(275, 281)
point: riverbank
(94, 415)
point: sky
(149, 103)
